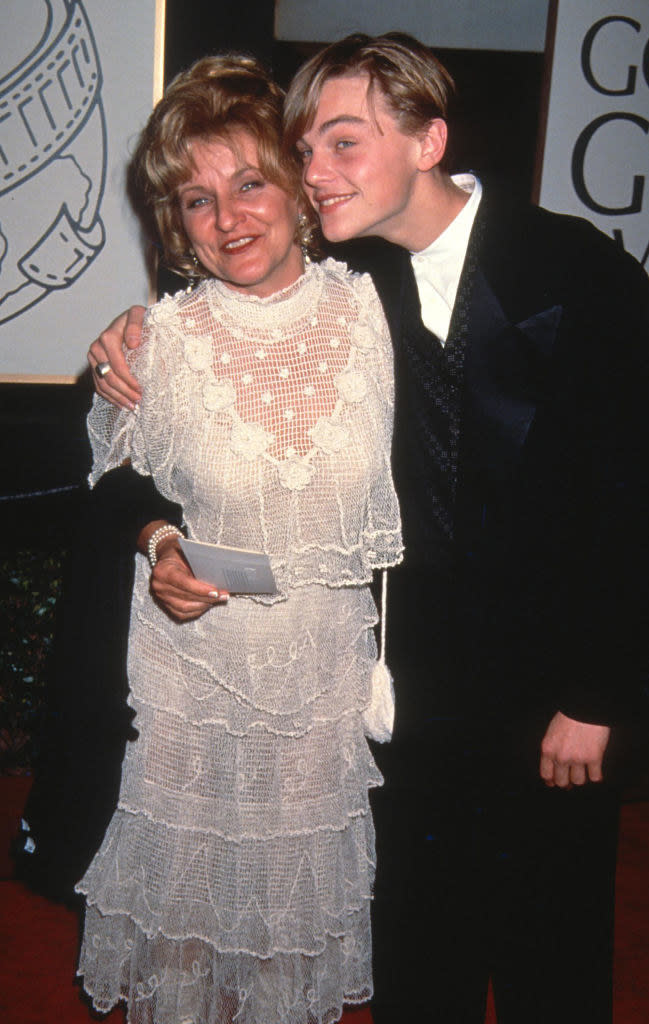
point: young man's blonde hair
(416, 86)
(214, 99)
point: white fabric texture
(234, 880)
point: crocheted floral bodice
(269, 421)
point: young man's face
(360, 169)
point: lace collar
(279, 311)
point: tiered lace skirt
(234, 880)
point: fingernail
(215, 594)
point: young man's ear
(433, 144)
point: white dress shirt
(438, 267)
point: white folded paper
(232, 569)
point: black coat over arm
(88, 722)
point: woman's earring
(195, 276)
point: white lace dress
(234, 880)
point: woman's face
(240, 225)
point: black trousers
(485, 872)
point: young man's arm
(609, 690)
(110, 373)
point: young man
(516, 623)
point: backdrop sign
(76, 85)
(462, 24)
(596, 154)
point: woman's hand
(176, 589)
(173, 584)
(111, 376)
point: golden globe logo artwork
(633, 79)
(52, 150)
(597, 134)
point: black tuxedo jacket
(545, 607)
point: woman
(234, 879)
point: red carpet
(38, 939)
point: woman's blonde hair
(416, 86)
(215, 98)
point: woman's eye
(195, 202)
(249, 186)
(304, 154)
(344, 144)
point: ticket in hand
(232, 569)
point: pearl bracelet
(163, 531)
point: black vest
(428, 426)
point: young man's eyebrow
(340, 119)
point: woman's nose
(228, 215)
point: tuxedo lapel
(506, 372)
(507, 333)
(506, 367)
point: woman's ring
(101, 369)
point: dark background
(45, 457)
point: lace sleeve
(382, 532)
(116, 435)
